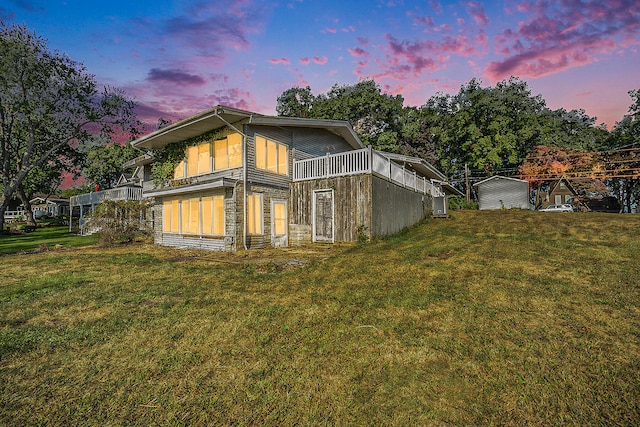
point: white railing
(9, 216)
(122, 193)
(361, 161)
(341, 164)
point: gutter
(244, 175)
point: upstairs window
(208, 157)
(272, 156)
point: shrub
(121, 221)
(460, 202)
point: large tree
(375, 116)
(49, 106)
(104, 163)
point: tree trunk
(3, 207)
(31, 220)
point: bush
(457, 203)
(121, 221)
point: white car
(557, 208)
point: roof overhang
(221, 116)
(499, 177)
(338, 127)
(193, 126)
(218, 183)
(421, 166)
(138, 161)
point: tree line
(54, 118)
(501, 129)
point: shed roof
(499, 177)
(221, 116)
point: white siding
(503, 193)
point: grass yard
(41, 239)
(487, 318)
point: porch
(87, 202)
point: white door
(323, 227)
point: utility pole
(466, 179)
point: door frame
(283, 239)
(333, 215)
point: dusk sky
(176, 58)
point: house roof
(221, 116)
(49, 200)
(555, 185)
(499, 177)
(420, 165)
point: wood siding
(352, 203)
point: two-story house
(251, 181)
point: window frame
(251, 209)
(179, 211)
(274, 219)
(265, 148)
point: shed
(501, 192)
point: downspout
(244, 177)
(244, 189)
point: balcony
(364, 161)
(94, 198)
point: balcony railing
(362, 161)
(122, 193)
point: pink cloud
(476, 10)
(563, 35)
(405, 58)
(358, 52)
(305, 61)
(284, 61)
(331, 30)
(320, 60)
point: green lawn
(43, 238)
(487, 318)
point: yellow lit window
(220, 154)
(170, 216)
(254, 214)
(179, 171)
(192, 160)
(213, 215)
(191, 216)
(235, 150)
(166, 217)
(279, 218)
(261, 152)
(271, 156)
(227, 152)
(204, 158)
(282, 160)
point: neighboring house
(561, 192)
(49, 206)
(254, 181)
(15, 211)
(129, 187)
(501, 192)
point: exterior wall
(500, 193)
(352, 204)
(228, 242)
(268, 193)
(395, 207)
(364, 204)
